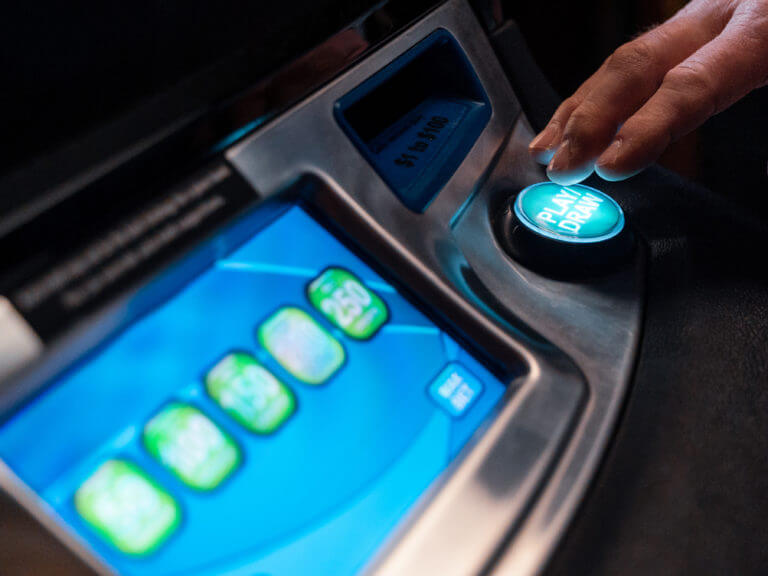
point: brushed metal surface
(505, 504)
(19, 345)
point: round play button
(565, 230)
(576, 214)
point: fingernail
(572, 176)
(611, 154)
(543, 147)
(561, 160)
(606, 164)
(562, 170)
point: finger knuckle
(565, 109)
(755, 42)
(631, 58)
(583, 115)
(694, 96)
(583, 118)
(694, 82)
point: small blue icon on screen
(455, 389)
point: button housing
(574, 231)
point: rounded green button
(575, 214)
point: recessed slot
(417, 118)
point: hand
(655, 89)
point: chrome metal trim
(597, 323)
(48, 518)
(477, 512)
(19, 344)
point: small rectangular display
(409, 146)
(417, 118)
(279, 415)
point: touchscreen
(279, 415)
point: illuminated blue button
(455, 389)
(575, 214)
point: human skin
(655, 89)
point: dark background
(70, 67)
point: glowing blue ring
(536, 228)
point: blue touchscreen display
(279, 415)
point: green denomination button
(127, 508)
(574, 214)
(301, 346)
(197, 451)
(249, 393)
(346, 302)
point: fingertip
(571, 175)
(543, 147)
(612, 164)
(610, 175)
(542, 155)
(567, 167)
